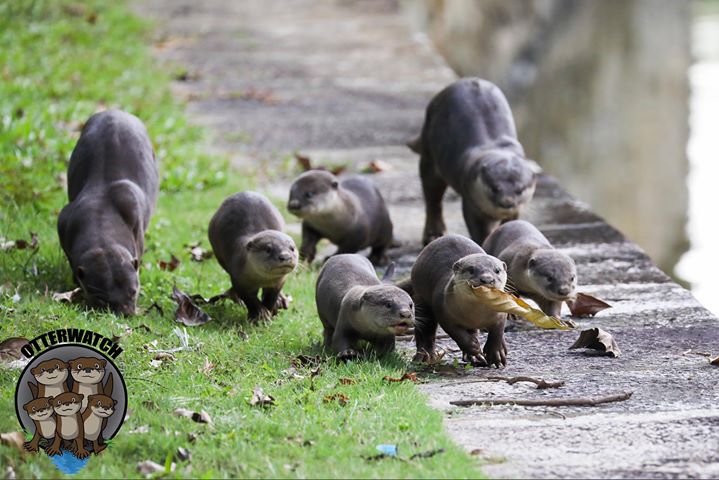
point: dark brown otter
(354, 305)
(247, 238)
(535, 268)
(112, 186)
(469, 142)
(43, 416)
(350, 213)
(441, 284)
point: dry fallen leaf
(13, 439)
(187, 312)
(597, 339)
(208, 367)
(20, 244)
(586, 305)
(197, 253)
(199, 417)
(501, 301)
(68, 297)
(304, 161)
(260, 399)
(148, 467)
(377, 166)
(169, 266)
(412, 377)
(303, 360)
(162, 356)
(346, 381)
(340, 398)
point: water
(700, 265)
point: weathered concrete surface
(348, 83)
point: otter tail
(33, 389)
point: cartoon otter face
(505, 183)
(554, 273)
(388, 309)
(480, 269)
(50, 372)
(88, 370)
(313, 193)
(40, 408)
(109, 279)
(67, 403)
(272, 253)
(101, 405)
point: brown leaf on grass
(304, 161)
(260, 399)
(597, 339)
(586, 305)
(346, 381)
(13, 439)
(148, 467)
(20, 244)
(338, 397)
(377, 166)
(163, 356)
(169, 266)
(197, 253)
(187, 312)
(67, 297)
(411, 376)
(10, 354)
(208, 367)
(199, 417)
(303, 360)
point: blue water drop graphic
(68, 463)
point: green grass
(58, 66)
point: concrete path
(346, 82)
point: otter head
(553, 273)
(101, 405)
(40, 408)
(88, 370)
(503, 184)
(271, 254)
(50, 372)
(387, 309)
(313, 193)
(67, 403)
(479, 269)
(109, 278)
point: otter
(100, 408)
(43, 416)
(469, 142)
(350, 213)
(69, 424)
(246, 236)
(112, 187)
(354, 305)
(535, 268)
(51, 376)
(441, 283)
(87, 374)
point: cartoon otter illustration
(70, 426)
(51, 376)
(100, 408)
(42, 414)
(87, 373)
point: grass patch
(61, 61)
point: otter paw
(348, 355)
(427, 357)
(496, 355)
(30, 447)
(52, 451)
(283, 302)
(475, 359)
(82, 453)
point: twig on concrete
(692, 352)
(540, 383)
(551, 402)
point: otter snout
(507, 202)
(486, 279)
(293, 205)
(564, 290)
(405, 313)
(126, 310)
(284, 257)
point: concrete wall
(599, 90)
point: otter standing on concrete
(112, 186)
(441, 284)
(535, 268)
(469, 142)
(350, 213)
(354, 305)
(246, 235)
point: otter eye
(98, 403)
(388, 304)
(573, 277)
(97, 366)
(496, 270)
(292, 248)
(308, 194)
(33, 409)
(57, 367)
(79, 366)
(471, 270)
(268, 249)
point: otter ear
(114, 402)
(455, 267)
(136, 263)
(50, 399)
(531, 262)
(335, 184)
(80, 273)
(250, 245)
(504, 266)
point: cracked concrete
(346, 82)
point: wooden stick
(552, 402)
(539, 382)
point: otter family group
(468, 142)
